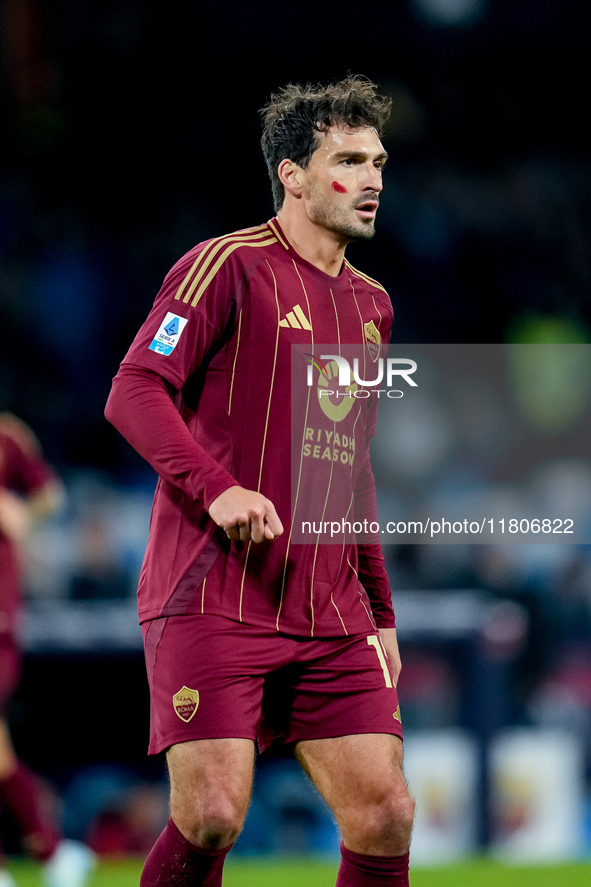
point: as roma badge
(373, 340)
(186, 703)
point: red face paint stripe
(339, 188)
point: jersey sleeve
(140, 406)
(371, 566)
(192, 316)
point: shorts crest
(186, 703)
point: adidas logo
(296, 319)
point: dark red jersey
(217, 346)
(22, 471)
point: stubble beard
(337, 219)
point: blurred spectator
(131, 827)
(29, 490)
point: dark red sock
(20, 795)
(174, 860)
(357, 870)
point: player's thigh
(210, 785)
(357, 769)
(360, 776)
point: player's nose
(373, 180)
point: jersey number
(374, 641)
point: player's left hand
(245, 515)
(14, 516)
(390, 642)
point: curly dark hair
(294, 117)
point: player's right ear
(289, 175)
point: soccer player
(29, 491)
(248, 636)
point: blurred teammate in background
(29, 491)
(248, 637)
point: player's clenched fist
(245, 515)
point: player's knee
(214, 825)
(384, 827)
(406, 814)
(394, 818)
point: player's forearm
(372, 568)
(374, 578)
(141, 408)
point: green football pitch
(311, 873)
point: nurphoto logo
(337, 367)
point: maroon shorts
(10, 672)
(212, 678)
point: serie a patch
(167, 337)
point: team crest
(373, 340)
(186, 703)
(396, 715)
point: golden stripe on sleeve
(212, 254)
(209, 252)
(207, 280)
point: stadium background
(129, 133)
